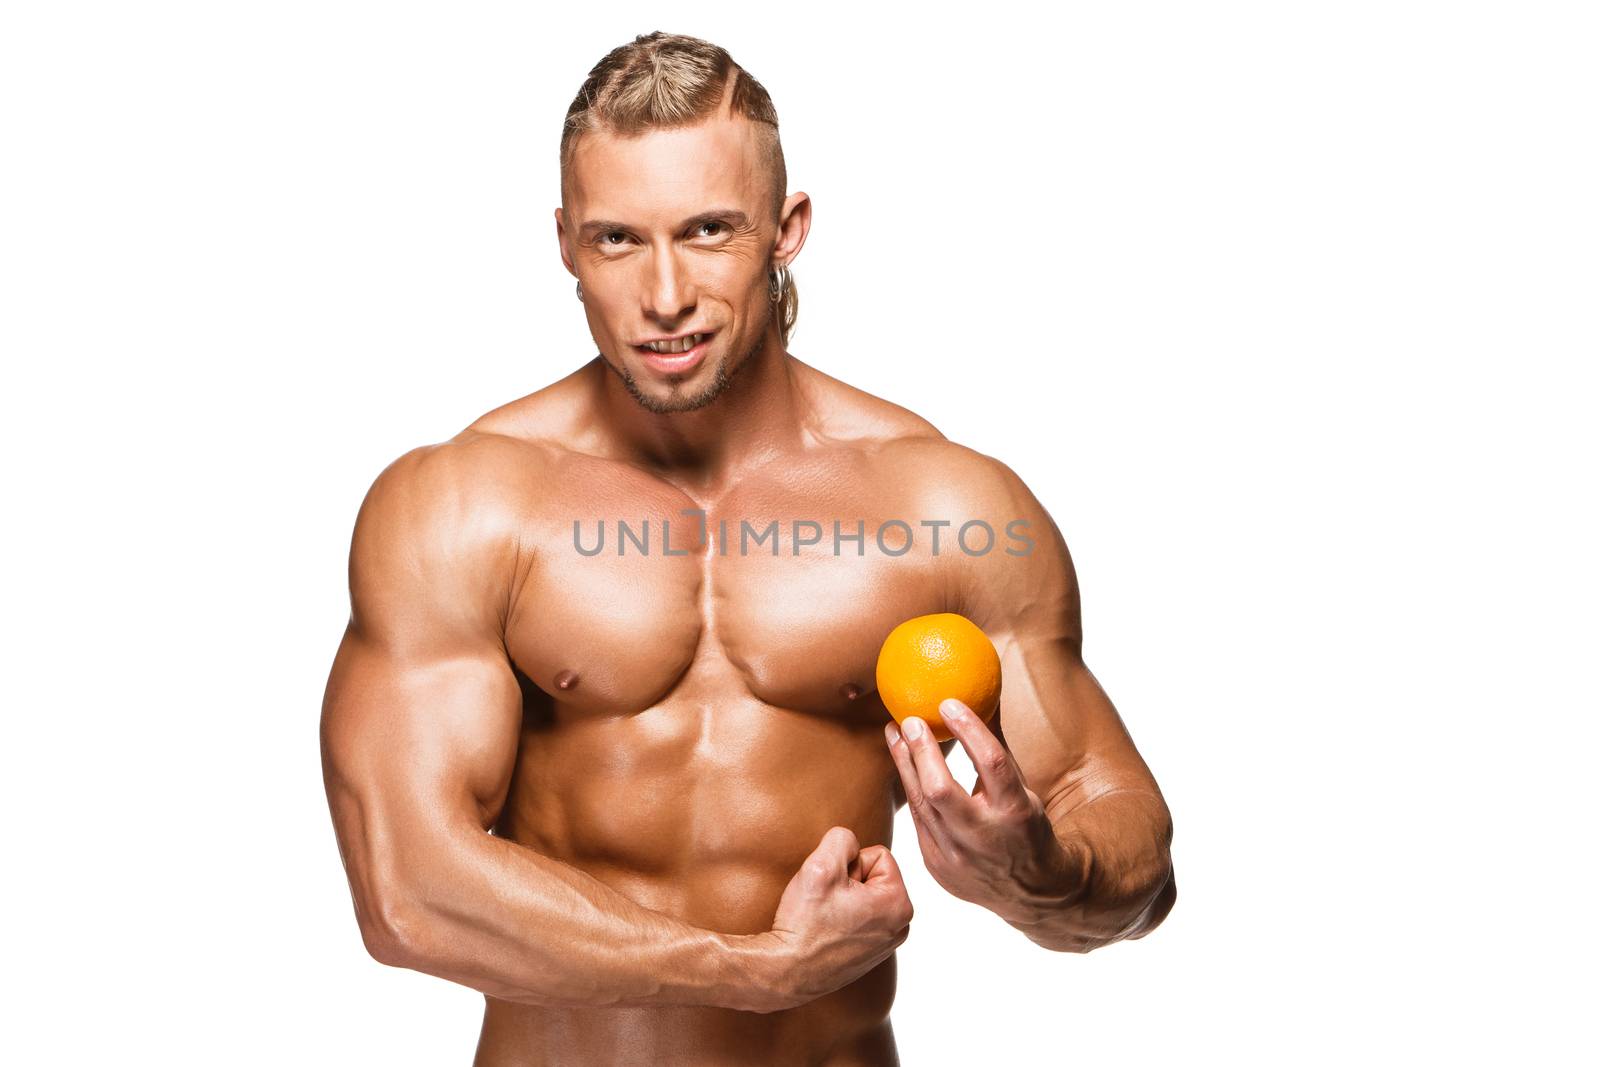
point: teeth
(675, 347)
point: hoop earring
(777, 282)
(580, 290)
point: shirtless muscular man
(641, 795)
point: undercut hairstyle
(664, 81)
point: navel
(850, 690)
(566, 679)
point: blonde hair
(663, 81)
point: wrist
(1057, 883)
(757, 973)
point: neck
(755, 416)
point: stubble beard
(721, 378)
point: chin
(701, 387)
(687, 394)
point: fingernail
(952, 709)
(912, 727)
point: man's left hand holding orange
(994, 847)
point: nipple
(566, 679)
(850, 690)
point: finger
(927, 822)
(846, 843)
(998, 773)
(836, 849)
(886, 874)
(901, 755)
(939, 788)
(888, 881)
(869, 859)
(883, 866)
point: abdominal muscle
(703, 814)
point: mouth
(672, 361)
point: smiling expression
(671, 234)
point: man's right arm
(420, 726)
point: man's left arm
(1066, 834)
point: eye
(713, 222)
(605, 238)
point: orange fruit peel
(933, 658)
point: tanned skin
(644, 802)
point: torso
(694, 723)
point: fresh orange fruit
(934, 657)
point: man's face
(671, 233)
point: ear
(794, 222)
(561, 241)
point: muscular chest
(781, 589)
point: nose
(669, 292)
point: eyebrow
(737, 219)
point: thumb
(867, 861)
(834, 853)
(881, 870)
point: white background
(1286, 312)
